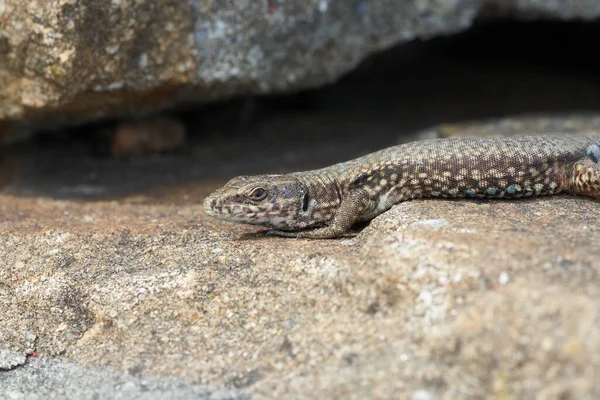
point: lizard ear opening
(305, 202)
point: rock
(69, 61)
(434, 299)
(46, 377)
(148, 136)
(10, 359)
(564, 124)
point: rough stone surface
(55, 378)
(434, 299)
(113, 281)
(67, 61)
(565, 124)
(147, 136)
(455, 298)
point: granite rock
(433, 299)
(69, 61)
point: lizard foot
(275, 232)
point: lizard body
(325, 203)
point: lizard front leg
(351, 208)
(585, 178)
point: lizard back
(478, 168)
(324, 203)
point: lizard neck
(324, 196)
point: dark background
(495, 70)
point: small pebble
(146, 137)
(503, 279)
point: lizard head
(269, 200)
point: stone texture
(55, 378)
(68, 61)
(114, 283)
(147, 136)
(451, 299)
(434, 299)
(565, 124)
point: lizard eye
(258, 194)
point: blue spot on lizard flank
(470, 192)
(491, 191)
(593, 152)
(511, 189)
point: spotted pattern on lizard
(325, 203)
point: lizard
(327, 202)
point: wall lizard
(325, 203)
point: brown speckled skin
(325, 203)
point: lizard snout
(209, 204)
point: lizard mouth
(209, 206)
(212, 208)
(245, 213)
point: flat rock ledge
(433, 300)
